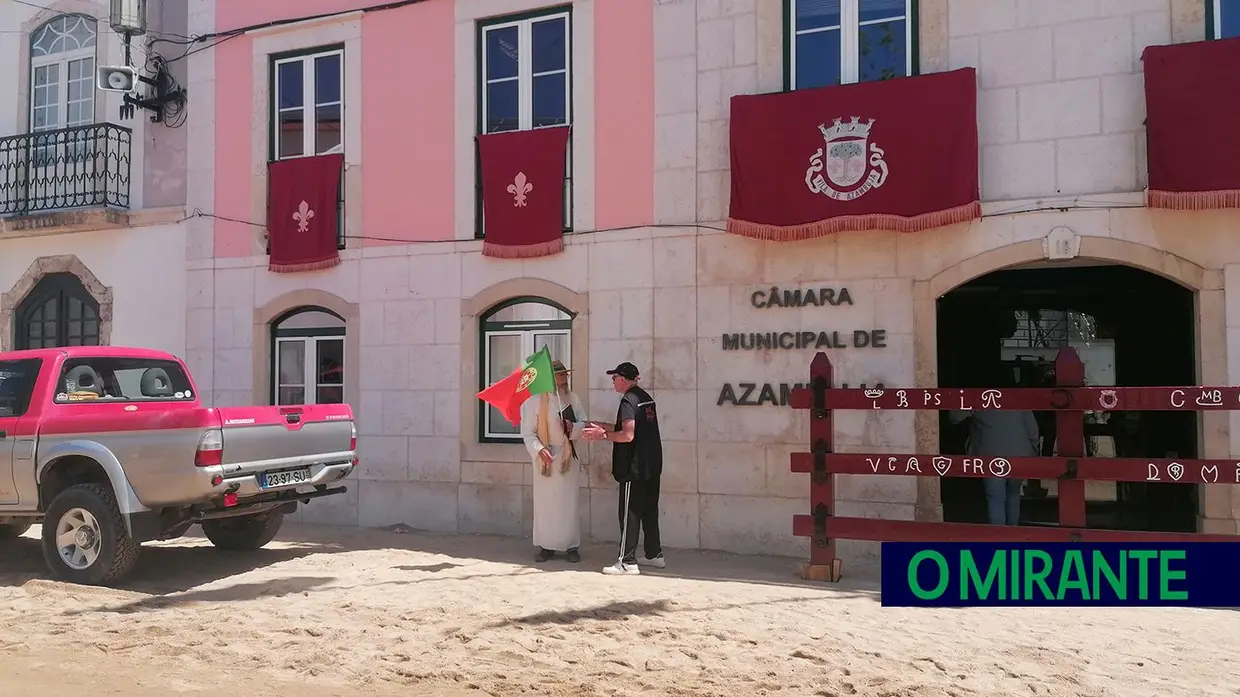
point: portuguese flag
(509, 394)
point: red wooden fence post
(1070, 441)
(823, 564)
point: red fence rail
(1068, 399)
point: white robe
(557, 525)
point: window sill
(493, 452)
(85, 220)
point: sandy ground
(327, 612)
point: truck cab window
(16, 384)
(122, 380)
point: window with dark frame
(525, 82)
(307, 357)
(1222, 19)
(510, 332)
(58, 311)
(836, 42)
(307, 110)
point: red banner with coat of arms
(896, 154)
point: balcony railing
(75, 167)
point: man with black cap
(637, 464)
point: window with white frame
(525, 78)
(307, 110)
(1224, 19)
(511, 331)
(307, 103)
(62, 85)
(62, 73)
(836, 42)
(308, 357)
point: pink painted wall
(409, 124)
(234, 14)
(233, 183)
(409, 120)
(623, 113)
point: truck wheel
(84, 537)
(12, 531)
(243, 533)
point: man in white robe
(550, 422)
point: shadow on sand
(689, 564)
(173, 573)
(161, 568)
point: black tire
(118, 553)
(243, 533)
(12, 531)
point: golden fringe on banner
(311, 266)
(1192, 200)
(848, 223)
(522, 251)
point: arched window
(511, 331)
(62, 73)
(58, 311)
(308, 357)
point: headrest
(155, 383)
(83, 379)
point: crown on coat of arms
(853, 129)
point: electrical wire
(228, 34)
(1016, 210)
(197, 213)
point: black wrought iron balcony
(77, 167)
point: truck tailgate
(267, 437)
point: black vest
(643, 457)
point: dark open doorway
(1131, 328)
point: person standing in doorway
(549, 423)
(637, 464)
(995, 433)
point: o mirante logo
(1196, 574)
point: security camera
(116, 78)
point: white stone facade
(129, 258)
(1061, 106)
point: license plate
(273, 479)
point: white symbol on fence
(1209, 473)
(990, 399)
(873, 394)
(901, 399)
(1210, 398)
(1108, 400)
(1175, 470)
(941, 465)
(1000, 467)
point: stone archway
(1207, 285)
(471, 311)
(61, 263)
(307, 298)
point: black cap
(626, 370)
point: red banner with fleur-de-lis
(303, 194)
(522, 175)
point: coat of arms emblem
(848, 157)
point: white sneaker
(622, 569)
(658, 562)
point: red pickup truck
(110, 447)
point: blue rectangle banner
(1070, 574)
